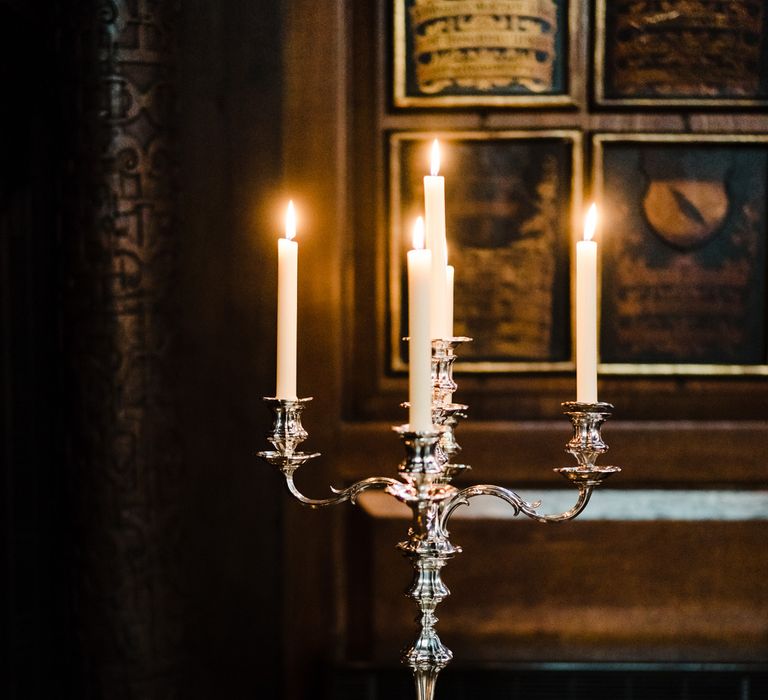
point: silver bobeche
(424, 485)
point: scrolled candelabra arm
(287, 434)
(585, 445)
(519, 505)
(341, 495)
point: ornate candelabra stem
(428, 548)
(428, 655)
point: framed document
(684, 253)
(681, 52)
(510, 203)
(471, 53)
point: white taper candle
(586, 312)
(420, 341)
(287, 308)
(434, 220)
(450, 275)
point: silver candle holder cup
(586, 444)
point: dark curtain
(141, 542)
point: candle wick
(590, 223)
(290, 221)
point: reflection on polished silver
(587, 444)
(287, 432)
(445, 413)
(443, 357)
(425, 487)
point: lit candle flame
(418, 233)
(590, 222)
(435, 161)
(290, 222)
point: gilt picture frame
(704, 53)
(515, 53)
(512, 198)
(684, 253)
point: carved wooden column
(118, 328)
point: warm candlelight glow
(418, 233)
(590, 222)
(290, 222)
(435, 162)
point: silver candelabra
(425, 486)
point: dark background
(140, 536)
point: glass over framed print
(511, 198)
(681, 53)
(467, 53)
(684, 253)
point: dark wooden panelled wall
(148, 148)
